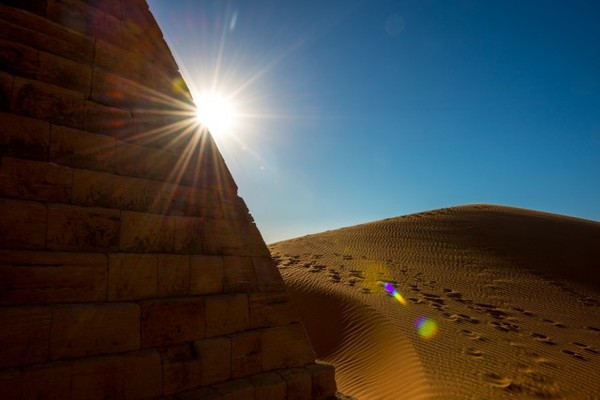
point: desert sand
(470, 302)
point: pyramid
(129, 266)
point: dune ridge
(514, 293)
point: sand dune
(499, 302)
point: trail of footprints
(503, 320)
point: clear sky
(353, 111)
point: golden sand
(500, 303)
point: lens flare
(391, 290)
(426, 327)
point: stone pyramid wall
(129, 267)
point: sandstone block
(34, 6)
(205, 393)
(195, 202)
(115, 91)
(64, 73)
(162, 130)
(11, 383)
(323, 380)
(142, 375)
(22, 225)
(99, 378)
(240, 389)
(49, 102)
(226, 314)
(286, 346)
(50, 277)
(181, 369)
(112, 7)
(299, 383)
(144, 162)
(35, 180)
(271, 309)
(83, 228)
(132, 276)
(6, 85)
(87, 20)
(234, 207)
(269, 386)
(141, 232)
(40, 33)
(172, 321)
(189, 233)
(234, 237)
(206, 274)
(18, 59)
(267, 275)
(47, 382)
(120, 192)
(239, 274)
(23, 137)
(173, 275)
(82, 149)
(108, 120)
(83, 330)
(24, 333)
(246, 354)
(214, 356)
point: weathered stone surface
(80, 17)
(24, 332)
(49, 277)
(299, 383)
(286, 346)
(40, 33)
(226, 314)
(271, 309)
(49, 102)
(83, 330)
(246, 354)
(240, 389)
(173, 275)
(173, 321)
(181, 370)
(269, 386)
(234, 237)
(323, 380)
(47, 382)
(146, 232)
(23, 137)
(64, 72)
(189, 233)
(98, 378)
(239, 275)
(142, 375)
(268, 276)
(35, 180)
(82, 228)
(6, 85)
(206, 275)
(18, 59)
(214, 356)
(82, 149)
(144, 162)
(132, 276)
(106, 120)
(22, 225)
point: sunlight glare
(216, 112)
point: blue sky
(353, 111)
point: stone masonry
(129, 267)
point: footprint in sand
(475, 353)
(587, 348)
(543, 339)
(575, 354)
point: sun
(216, 112)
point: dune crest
(514, 295)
